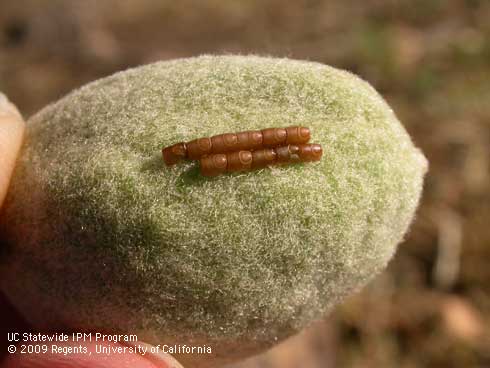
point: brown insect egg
(264, 157)
(224, 143)
(273, 137)
(249, 140)
(213, 165)
(239, 161)
(297, 135)
(174, 154)
(198, 148)
(284, 153)
(230, 141)
(310, 152)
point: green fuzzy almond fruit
(102, 236)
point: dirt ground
(429, 58)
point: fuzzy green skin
(104, 236)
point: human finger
(11, 134)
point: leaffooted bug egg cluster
(246, 151)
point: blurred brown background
(429, 58)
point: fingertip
(11, 134)
(8, 108)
